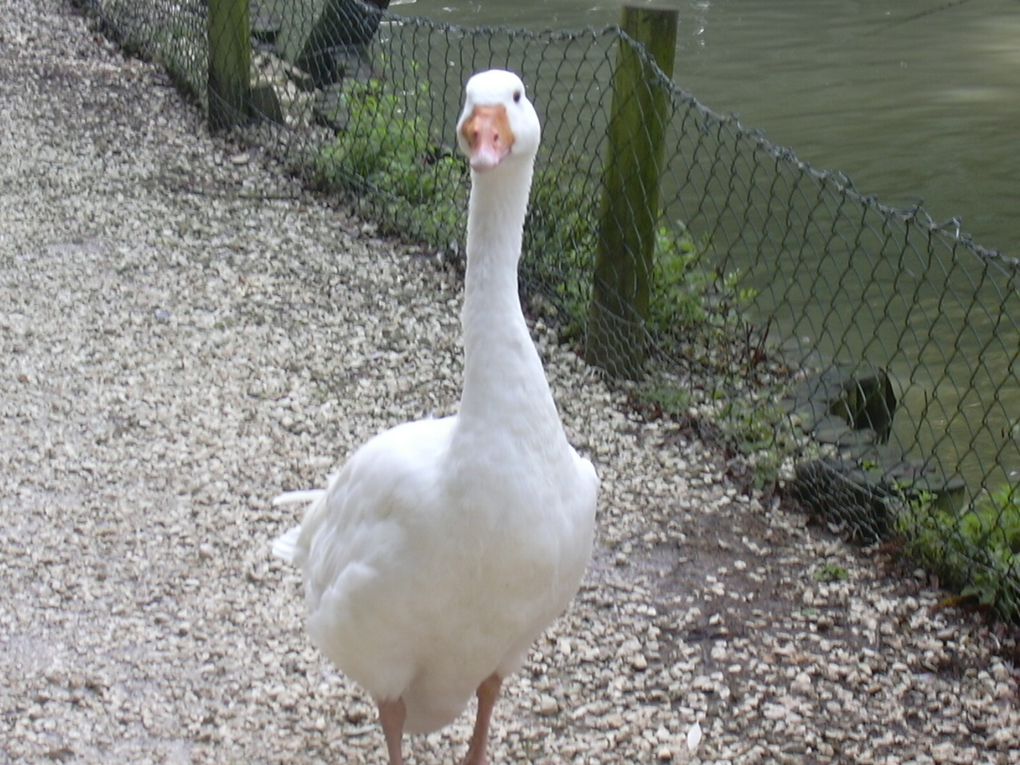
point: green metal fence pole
(229, 33)
(630, 200)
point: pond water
(913, 100)
(917, 100)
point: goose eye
(517, 96)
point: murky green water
(912, 100)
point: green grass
(559, 246)
(665, 397)
(976, 551)
(561, 236)
(830, 572)
(387, 160)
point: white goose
(444, 547)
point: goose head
(498, 124)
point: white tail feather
(299, 497)
(285, 546)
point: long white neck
(505, 388)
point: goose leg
(391, 715)
(487, 694)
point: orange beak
(488, 136)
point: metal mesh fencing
(864, 355)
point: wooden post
(630, 196)
(229, 31)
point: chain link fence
(864, 356)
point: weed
(386, 158)
(830, 572)
(666, 399)
(561, 237)
(976, 551)
(750, 426)
(559, 245)
(754, 429)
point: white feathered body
(419, 586)
(444, 547)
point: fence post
(630, 195)
(229, 31)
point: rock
(265, 103)
(314, 32)
(861, 396)
(801, 684)
(547, 706)
(835, 490)
(915, 477)
(866, 400)
(862, 495)
(266, 21)
(831, 429)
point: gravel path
(185, 333)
